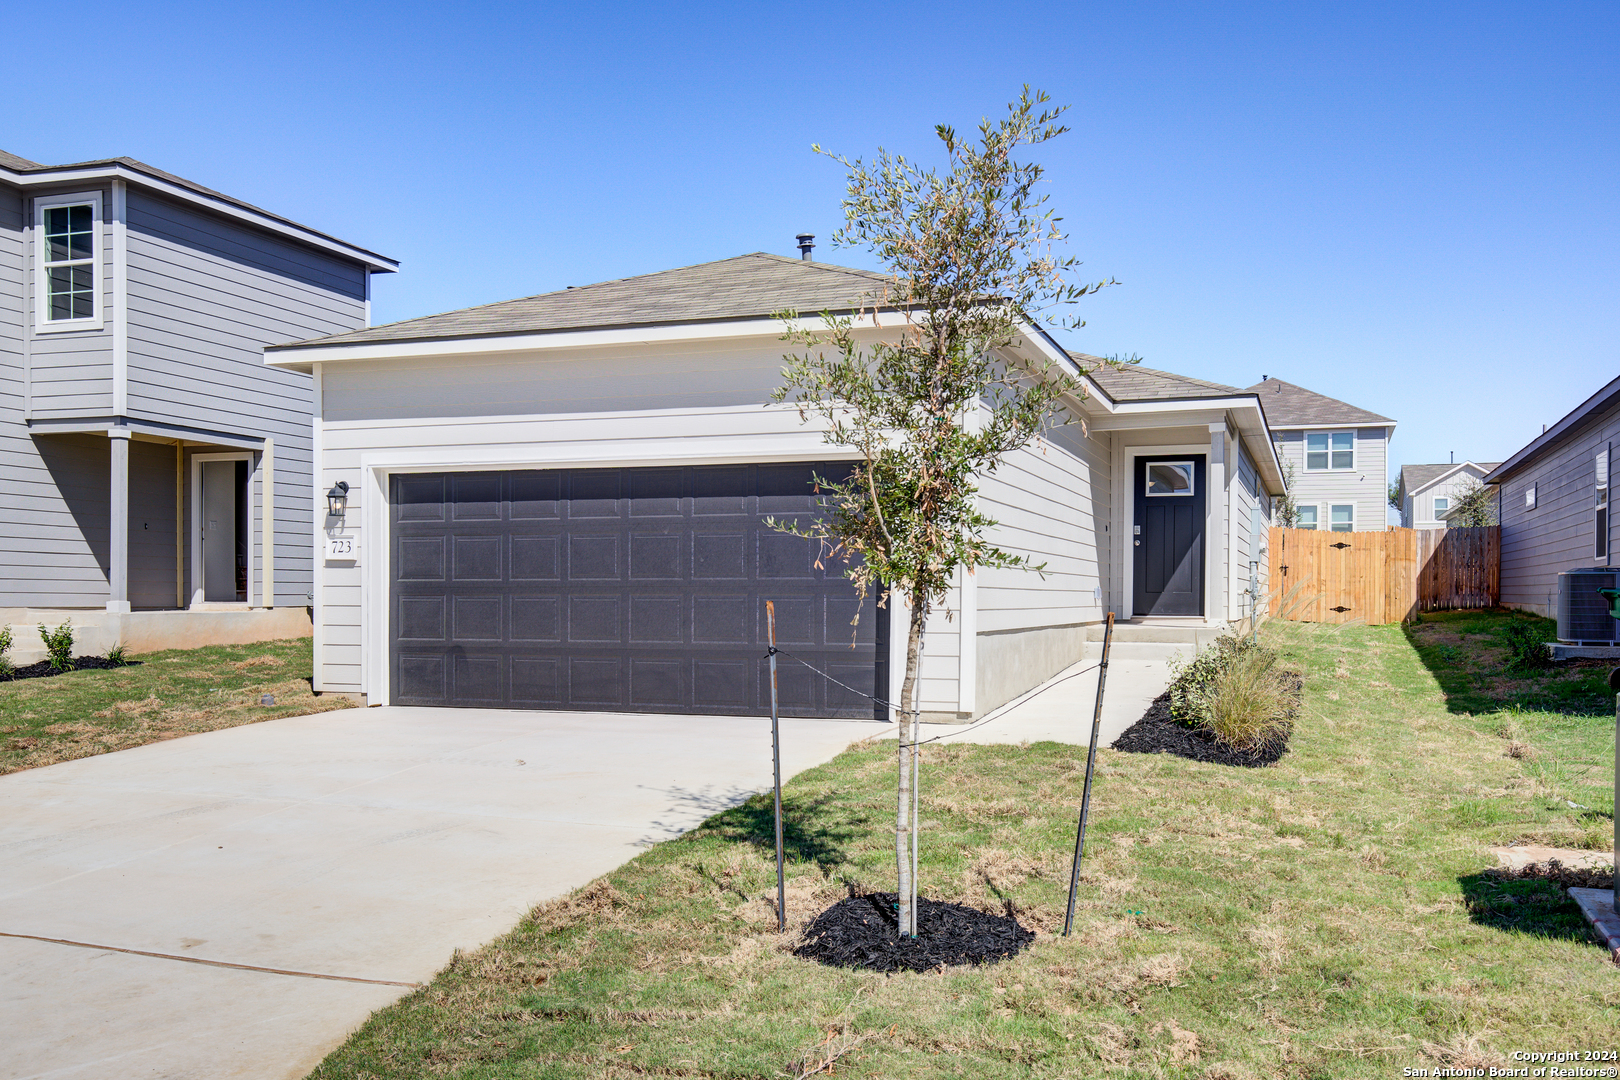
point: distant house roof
(1289, 406)
(1555, 434)
(1415, 478)
(1137, 383)
(22, 166)
(745, 287)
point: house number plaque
(340, 548)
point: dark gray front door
(622, 590)
(1168, 535)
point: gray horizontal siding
(71, 373)
(1558, 534)
(205, 297)
(1365, 487)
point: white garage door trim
(376, 536)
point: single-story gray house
(1553, 503)
(559, 501)
(156, 488)
(1339, 454)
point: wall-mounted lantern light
(337, 500)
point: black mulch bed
(859, 932)
(43, 669)
(1159, 733)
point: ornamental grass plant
(1237, 691)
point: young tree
(1287, 509)
(1473, 507)
(946, 395)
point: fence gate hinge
(1340, 544)
(1340, 610)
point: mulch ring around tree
(1160, 733)
(859, 932)
(1554, 871)
(43, 670)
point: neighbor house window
(1343, 519)
(68, 245)
(1307, 517)
(1441, 505)
(1600, 522)
(1530, 497)
(1330, 450)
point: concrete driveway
(234, 904)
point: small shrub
(59, 645)
(1190, 678)
(1526, 646)
(5, 647)
(1249, 705)
(115, 655)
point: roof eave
(373, 262)
(1554, 433)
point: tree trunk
(903, 837)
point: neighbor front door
(1167, 536)
(219, 530)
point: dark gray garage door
(638, 590)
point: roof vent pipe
(807, 241)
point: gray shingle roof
(23, 165)
(17, 164)
(1417, 477)
(1138, 383)
(1288, 405)
(745, 287)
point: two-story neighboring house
(1428, 492)
(152, 461)
(1339, 454)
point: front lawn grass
(160, 696)
(1325, 917)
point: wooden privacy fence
(1381, 577)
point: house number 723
(340, 547)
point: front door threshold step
(1195, 632)
(1598, 907)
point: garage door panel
(535, 558)
(723, 620)
(421, 558)
(477, 679)
(476, 497)
(720, 556)
(594, 682)
(595, 620)
(593, 558)
(620, 589)
(657, 620)
(536, 619)
(657, 556)
(535, 496)
(420, 618)
(662, 683)
(537, 682)
(423, 678)
(476, 618)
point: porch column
(118, 525)
(267, 505)
(1219, 573)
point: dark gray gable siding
(1559, 533)
(206, 295)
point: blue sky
(1408, 206)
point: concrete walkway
(349, 852)
(1061, 709)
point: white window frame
(1530, 497)
(1307, 451)
(1438, 499)
(1316, 522)
(1336, 506)
(1600, 512)
(1147, 484)
(43, 324)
